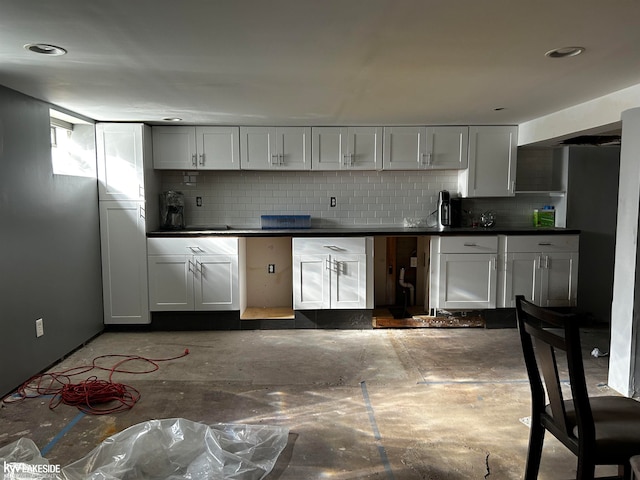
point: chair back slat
(549, 368)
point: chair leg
(536, 440)
(586, 468)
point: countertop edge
(359, 232)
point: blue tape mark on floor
(376, 432)
(61, 434)
(477, 382)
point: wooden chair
(598, 430)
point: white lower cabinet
(124, 260)
(332, 273)
(463, 272)
(543, 268)
(193, 274)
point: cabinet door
(120, 161)
(293, 148)
(522, 277)
(467, 280)
(447, 147)
(124, 263)
(364, 148)
(174, 148)
(171, 282)
(311, 289)
(348, 281)
(216, 282)
(328, 148)
(257, 148)
(492, 162)
(404, 148)
(218, 148)
(559, 279)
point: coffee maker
(449, 210)
(171, 210)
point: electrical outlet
(39, 327)
(271, 268)
(414, 262)
(333, 202)
(198, 201)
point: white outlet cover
(39, 327)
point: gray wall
(592, 207)
(49, 247)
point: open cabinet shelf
(266, 295)
(268, 313)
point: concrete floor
(380, 404)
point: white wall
(623, 375)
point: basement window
(72, 146)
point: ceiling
(319, 62)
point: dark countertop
(356, 231)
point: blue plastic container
(285, 221)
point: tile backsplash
(238, 198)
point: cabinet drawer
(541, 243)
(328, 245)
(192, 245)
(469, 244)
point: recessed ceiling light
(45, 49)
(172, 119)
(564, 52)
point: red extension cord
(91, 396)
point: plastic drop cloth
(169, 449)
(181, 449)
(20, 451)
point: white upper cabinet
(218, 148)
(492, 162)
(425, 148)
(275, 148)
(201, 148)
(120, 161)
(347, 148)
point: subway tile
(363, 197)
